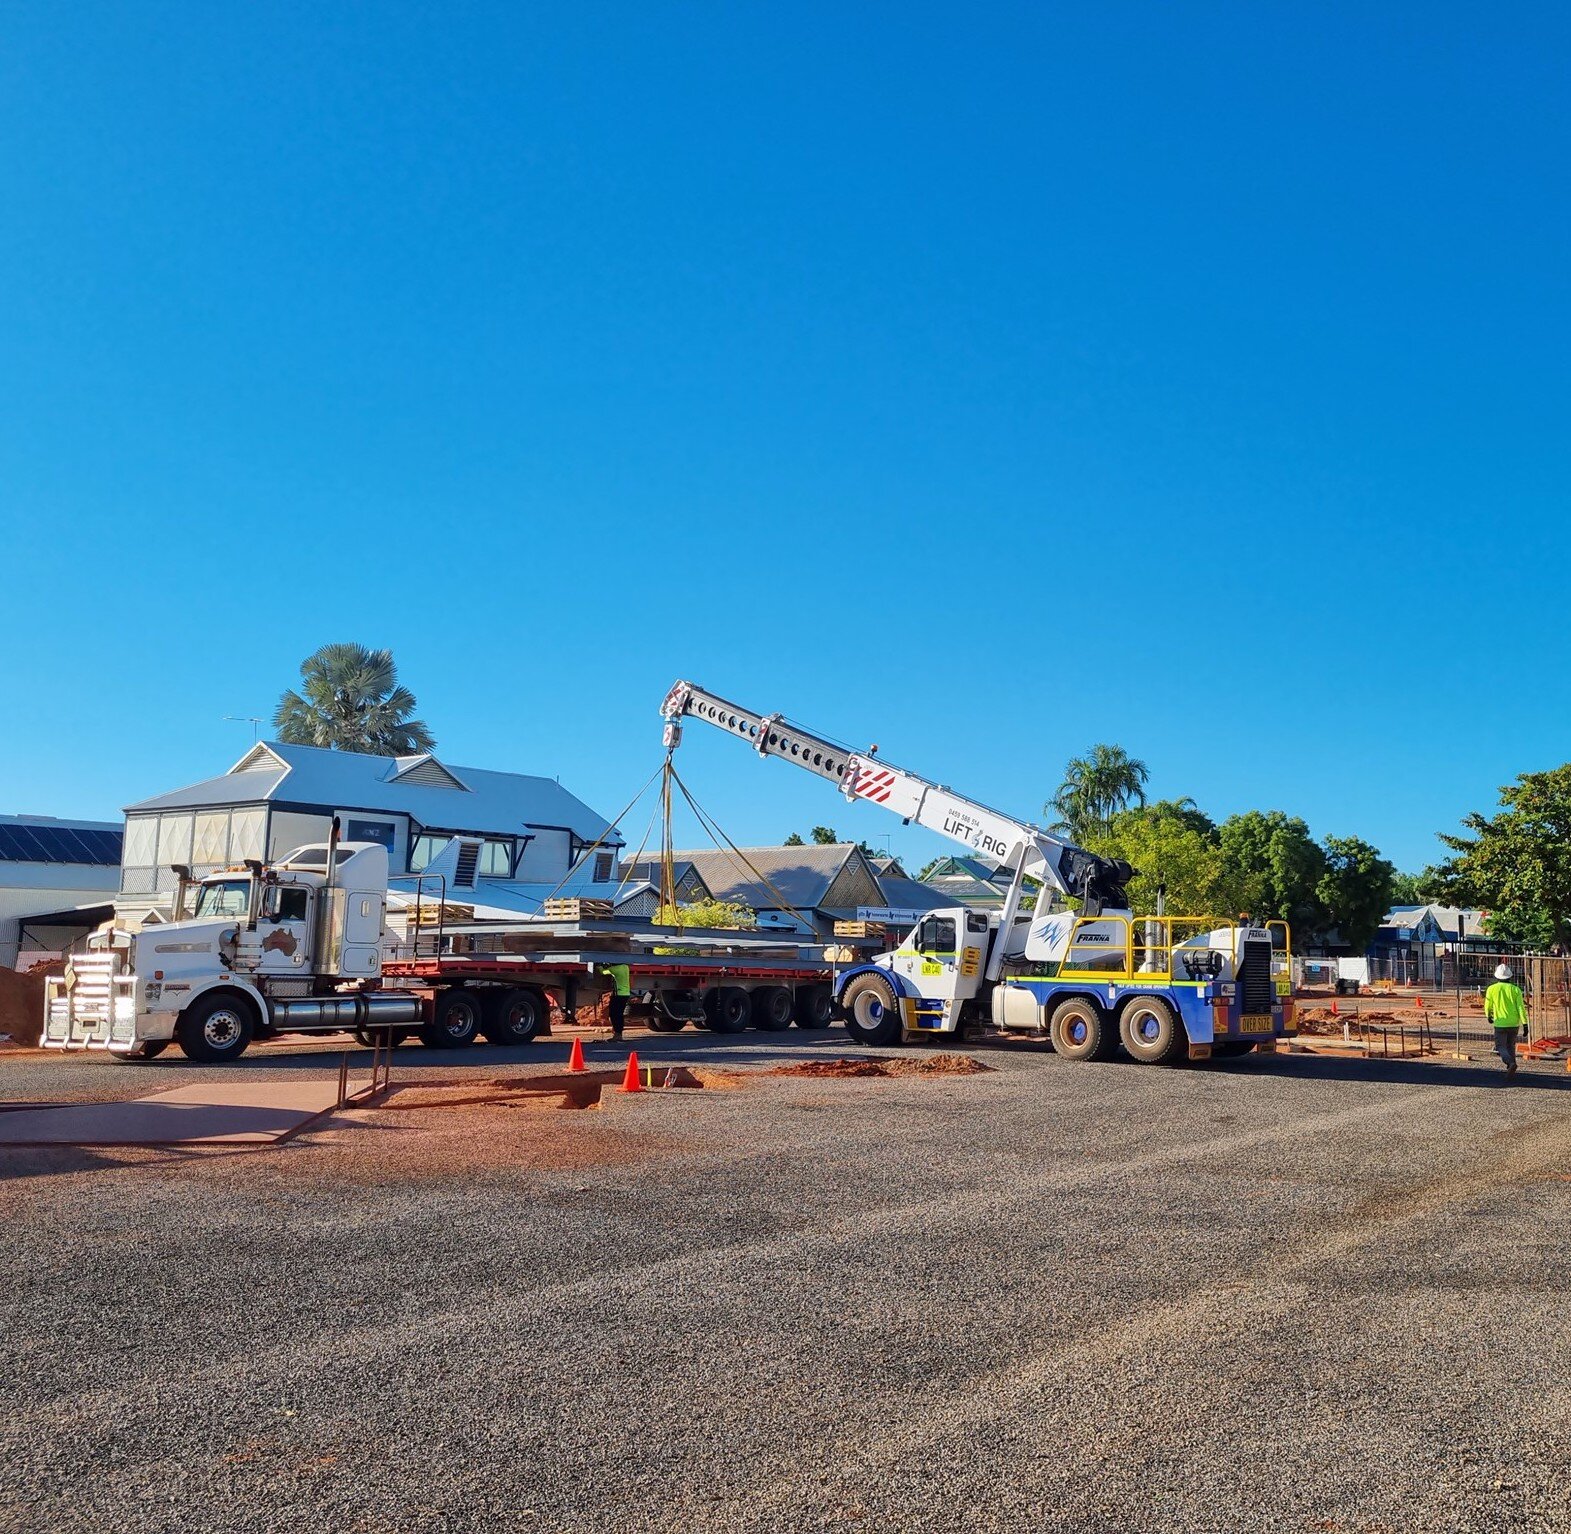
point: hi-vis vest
(1505, 1006)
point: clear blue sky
(983, 382)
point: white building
(57, 882)
(278, 797)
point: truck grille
(1256, 989)
(93, 1007)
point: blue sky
(983, 383)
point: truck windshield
(224, 897)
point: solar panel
(59, 844)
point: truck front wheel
(1150, 1031)
(148, 1049)
(872, 1011)
(215, 1029)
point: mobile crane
(1088, 980)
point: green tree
(1271, 868)
(352, 702)
(1095, 788)
(1517, 862)
(1355, 891)
(823, 836)
(794, 840)
(725, 914)
(1169, 843)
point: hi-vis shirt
(1505, 1006)
(621, 981)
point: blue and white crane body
(1163, 986)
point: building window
(423, 850)
(604, 863)
(496, 860)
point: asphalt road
(1273, 1294)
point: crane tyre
(873, 1011)
(1151, 1032)
(771, 1008)
(455, 1020)
(514, 1016)
(727, 1009)
(815, 1007)
(216, 1029)
(1080, 1030)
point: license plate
(1255, 1022)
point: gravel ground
(1284, 1293)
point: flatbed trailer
(509, 997)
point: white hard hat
(1502, 972)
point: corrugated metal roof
(1444, 917)
(801, 875)
(43, 839)
(911, 895)
(484, 801)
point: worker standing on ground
(621, 989)
(1506, 1008)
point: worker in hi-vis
(621, 989)
(1506, 1008)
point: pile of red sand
(21, 1006)
(883, 1065)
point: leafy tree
(1517, 862)
(352, 702)
(1422, 888)
(1095, 788)
(1170, 843)
(1271, 868)
(794, 840)
(824, 836)
(707, 913)
(1355, 891)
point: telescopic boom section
(862, 775)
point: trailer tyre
(514, 1016)
(872, 1011)
(1151, 1032)
(455, 1020)
(815, 1007)
(772, 1008)
(1080, 1030)
(216, 1029)
(727, 1009)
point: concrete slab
(212, 1113)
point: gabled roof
(800, 875)
(1444, 916)
(956, 865)
(435, 794)
(649, 868)
(911, 895)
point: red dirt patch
(21, 1006)
(885, 1066)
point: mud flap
(1199, 1051)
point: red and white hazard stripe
(875, 783)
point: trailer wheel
(727, 1009)
(815, 1006)
(771, 1008)
(514, 1016)
(216, 1029)
(455, 1020)
(1150, 1031)
(873, 1011)
(1079, 1030)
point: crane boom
(1025, 849)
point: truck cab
(250, 949)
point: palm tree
(352, 702)
(1095, 788)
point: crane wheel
(1151, 1032)
(1080, 1030)
(872, 1011)
(772, 1008)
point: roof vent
(261, 758)
(425, 772)
(468, 862)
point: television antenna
(254, 720)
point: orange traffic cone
(575, 1060)
(1418, 1001)
(630, 1081)
(1333, 1009)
